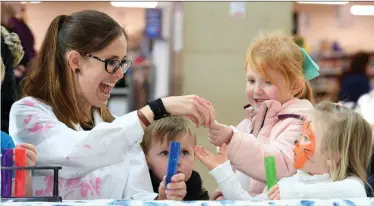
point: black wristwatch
(158, 109)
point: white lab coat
(104, 163)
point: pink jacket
(276, 136)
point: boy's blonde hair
(346, 135)
(166, 129)
(280, 52)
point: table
(332, 202)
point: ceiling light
(324, 2)
(362, 10)
(135, 4)
(33, 2)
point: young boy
(157, 137)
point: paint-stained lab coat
(106, 162)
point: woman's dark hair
(359, 63)
(50, 79)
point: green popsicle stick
(271, 171)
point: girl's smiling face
(260, 89)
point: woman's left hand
(31, 153)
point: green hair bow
(310, 68)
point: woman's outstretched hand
(197, 109)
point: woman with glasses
(63, 111)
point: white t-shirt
(299, 186)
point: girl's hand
(219, 134)
(217, 195)
(176, 190)
(274, 193)
(210, 160)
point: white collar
(306, 177)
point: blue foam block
(174, 150)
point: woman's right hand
(197, 109)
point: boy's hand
(274, 193)
(219, 134)
(176, 190)
(209, 159)
(31, 153)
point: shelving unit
(326, 86)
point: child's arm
(229, 185)
(222, 172)
(351, 187)
(225, 132)
(247, 154)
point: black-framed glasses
(112, 65)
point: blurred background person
(11, 55)
(355, 82)
(16, 23)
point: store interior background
(203, 47)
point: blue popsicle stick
(174, 150)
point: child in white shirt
(331, 156)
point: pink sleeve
(243, 126)
(246, 153)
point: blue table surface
(296, 202)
